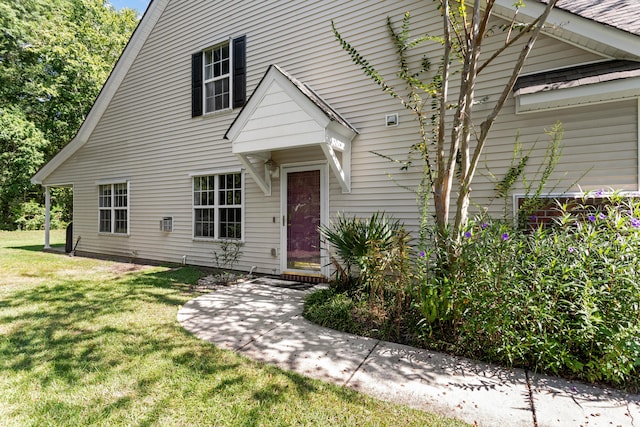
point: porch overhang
(284, 113)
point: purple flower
(484, 225)
(533, 217)
(601, 215)
(599, 193)
(571, 249)
(592, 218)
(505, 236)
(421, 254)
(635, 222)
(467, 234)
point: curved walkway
(262, 319)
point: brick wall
(549, 209)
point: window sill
(211, 114)
(113, 234)
(212, 240)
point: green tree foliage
(21, 153)
(54, 58)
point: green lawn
(90, 342)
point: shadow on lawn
(118, 343)
(58, 248)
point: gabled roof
(620, 14)
(607, 27)
(306, 91)
(317, 100)
(572, 86)
(577, 76)
(128, 56)
(283, 113)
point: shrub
(563, 300)
(366, 252)
(31, 216)
(226, 258)
(372, 263)
(331, 309)
(336, 310)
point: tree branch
(463, 199)
(486, 125)
(508, 43)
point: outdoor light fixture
(273, 168)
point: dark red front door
(303, 219)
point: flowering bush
(564, 299)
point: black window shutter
(196, 84)
(239, 76)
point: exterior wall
(148, 136)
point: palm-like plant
(352, 240)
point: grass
(91, 342)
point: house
(245, 121)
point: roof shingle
(621, 14)
(577, 76)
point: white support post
(47, 217)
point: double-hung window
(113, 208)
(218, 77)
(217, 206)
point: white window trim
(113, 208)
(215, 172)
(216, 237)
(113, 181)
(229, 42)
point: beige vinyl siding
(600, 149)
(148, 136)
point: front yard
(90, 342)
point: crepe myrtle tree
(450, 143)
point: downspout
(47, 217)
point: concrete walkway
(262, 319)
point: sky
(139, 5)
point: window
(217, 206)
(218, 77)
(113, 207)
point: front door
(303, 213)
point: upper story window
(218, 77)
(113, 207)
